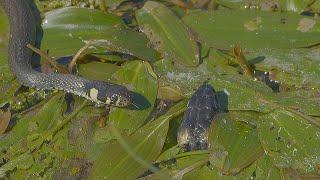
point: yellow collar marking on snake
(94, 94)
(108, 101)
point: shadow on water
(139, 102)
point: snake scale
(22, 19)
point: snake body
(23, 31)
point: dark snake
(23, 31)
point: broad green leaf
(283, 5)
(290, 141)
(245, 93)
(205, 173)
(24, 161)
(234, 144)
(136, 74)
(254, 29)
(6, 77)
(66, 30)
(145, 144)
(183, 165)
(113, 3)
(4, 24)
(266, 170)
(168, 34)
(209, 173)
(248, 98)
(303, 101)
(238, 4)
(29, 127)
(169, 154)
(293, 67)
(98, 70)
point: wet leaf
(4, 24)
(77, 26)
(137, 76)
(244, 92)
(265, 169)
(24, 161)
(167, 33)
(169, 154)
(180, 167)
(225, 29)
(98, 70)
(294, 67)
(145, 144)
(234, 144)
(303, 101)
(29, 127)
(291, 141)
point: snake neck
(24, 29)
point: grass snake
(23, 16)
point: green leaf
(182, 166)
(121, 161)
(245, 93)
(6, 85)
(234, 144)
(136, 74)
(4, 24)
(303, 101)
(265, 169)
(98, 70)
(29, 127)
(254, 29)
(168, 34)
(24, 161)
(291, 141)
(293, 67)
(209, 173)
(77, 26)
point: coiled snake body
(22, 32)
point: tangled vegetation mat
(164, 50)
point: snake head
(120, 98)
(110, 94)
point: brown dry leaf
(5, 117)
(169, 93)
(253, 25)
(305, 24)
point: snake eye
(114, 98)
